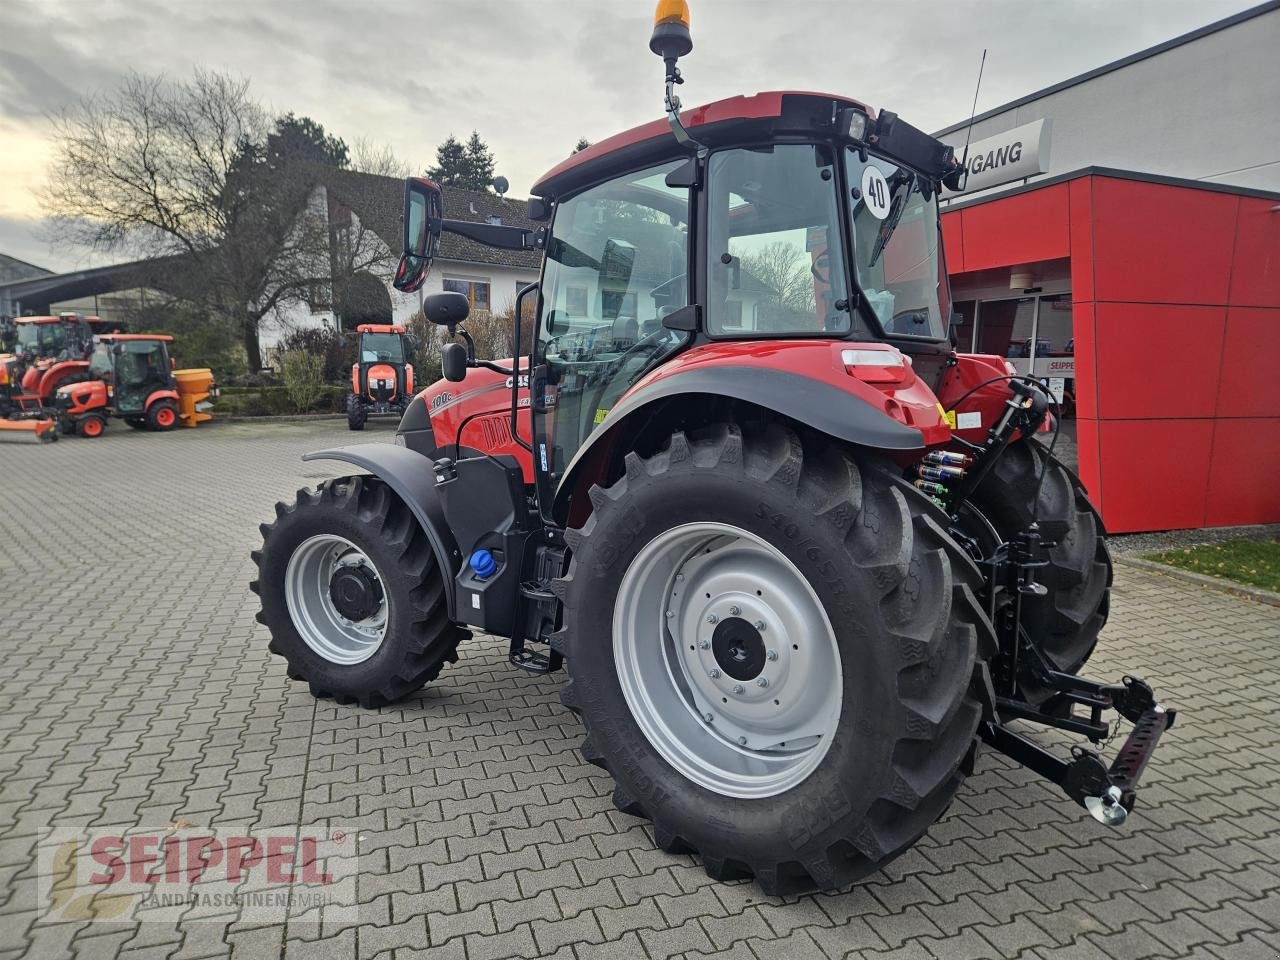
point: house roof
(13, 269)
(378, 202)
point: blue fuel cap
(483, 564)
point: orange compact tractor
(131, 377)
(381, 377)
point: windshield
(42, 339)
(386, 347)
(615, 266)
(775, 258)
(897, 247)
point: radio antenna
(964, 161)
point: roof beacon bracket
(671, 40)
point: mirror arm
(471, 344)
(471, 354)
(492, 234)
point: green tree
(479, 163)
(468, 165)
(581, 145)
(451, 167)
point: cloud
(533, 77)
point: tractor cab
(67, 336)
(134, 367)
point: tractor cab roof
(60, 318)
(118, 337)
(379, 328)
(735, 119)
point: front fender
(412, 478)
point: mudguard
(825, 407)
(412, 478)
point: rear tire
(356, 413)
(899, 597)
(162, 415)
(1066, 621)
(341, 658)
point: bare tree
(377, 158)
(194, 173)
(784, 269)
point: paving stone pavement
(136, 689)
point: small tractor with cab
(800, 557)
(382, 376)
(132, 376)
(48, 352)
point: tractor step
(533, 662)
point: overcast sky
(534, 75)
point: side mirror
(447, 309)
(539, 209)
(423, 211)
(453, 362)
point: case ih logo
(196, 874)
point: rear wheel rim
(704, 612)
(315, 616)
(164, 417)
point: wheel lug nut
(735, 610)
(714, 674)
(759, 624)
(739, 689)
(670, 614)
(773, 654)
(712, 618)
(708, 717)
(679, 578)
(704, 644)
(742, 741)
(762, 681)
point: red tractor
(131, 377)
(800, 557)
(381, 377)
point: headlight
(853, 124)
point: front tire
(352, 594)
(91, 425)
(896, 594)
(356, 413)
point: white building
(363, 213)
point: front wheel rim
(727, 660)
(315, 616)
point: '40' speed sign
(875, 192)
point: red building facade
(1156, 304)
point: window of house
(476, 291)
